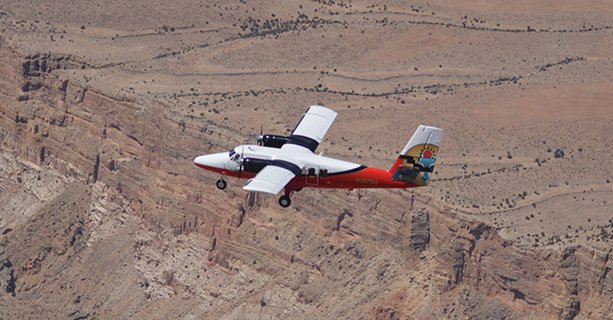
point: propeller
(240, 164)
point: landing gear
(221, 184)
(285, 201)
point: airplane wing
(311, 128)
(275, 176)
(305, 138)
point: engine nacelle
(254, 165)
(269, 140)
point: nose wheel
(221, 184)
(285, 201)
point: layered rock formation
(420, 229)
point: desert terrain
(104, 105)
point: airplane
(290, 162)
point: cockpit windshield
(233, 155)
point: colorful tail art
(417, 159)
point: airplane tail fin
(416, 161)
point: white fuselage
(309, 159)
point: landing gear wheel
(285, 201)
(221, 184)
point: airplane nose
(216, 160)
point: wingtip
(256, 189)
(260, 186)
(322, 110)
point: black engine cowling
(269, 140)
(254, 165)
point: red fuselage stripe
(365, 178)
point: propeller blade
(240, 165)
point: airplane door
(311, 176)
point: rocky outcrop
(457, 258)
(79, 315)
(385, 313)
(7, 277)
(36, 67)
(572, 310)
(570, 273)
(570, 270)
(420, 229)
(341, 217)
(253, 200)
